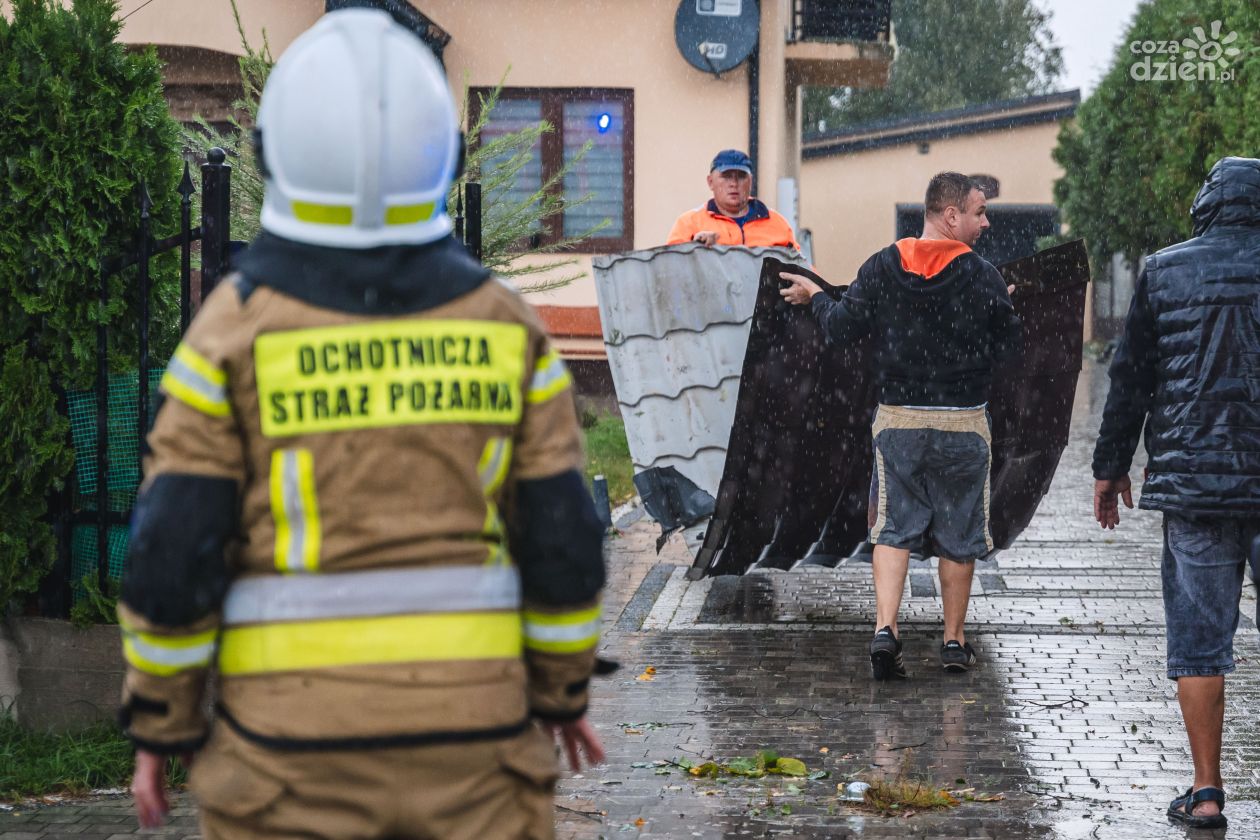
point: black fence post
(55, 595)
(186, 190)
(473, 222)
(216, 233)
(102, 441)
(142, 254)
(459, 215)
(603, 507)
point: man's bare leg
(955, 594)
(1202, 702)
(888, 567)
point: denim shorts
(1203, 577)
(932, 481)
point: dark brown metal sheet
(797, 476)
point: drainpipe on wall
(754, 108)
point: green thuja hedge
(84, 121)
(1140, 146)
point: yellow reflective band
(492, 532)
(389, 373)
(163, 656)
(492, 528)
(323, 214)
(306, 645)
(564, 633)
(408, 214)
(550, 378)
(295, 510)
(492, 467)
(497, 555)
(194, 380)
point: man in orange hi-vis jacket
(732, 216)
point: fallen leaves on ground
(906, 796)
(764, 763)
(649, 674)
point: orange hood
(929, 257)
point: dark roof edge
(1069, 96)
(405, 14)
(937, 133)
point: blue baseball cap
(731, 159)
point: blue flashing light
(604, 122)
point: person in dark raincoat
(1188, 372)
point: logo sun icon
(1214, 48)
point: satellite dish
(717, 35)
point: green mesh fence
(122, 475)
(83, 554)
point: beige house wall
(209, 23)
(849, 201)
(681, 115)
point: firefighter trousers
(490, 790)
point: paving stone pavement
(1068, 716)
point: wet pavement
(1067, 725)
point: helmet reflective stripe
(361, 136)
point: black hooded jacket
(1188, 365)
(937, 330)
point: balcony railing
(840, 20)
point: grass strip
(41, 762)
(608, 454)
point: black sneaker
(886, 656)
(957, 658)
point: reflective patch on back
(389, 373)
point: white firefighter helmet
(358, 138)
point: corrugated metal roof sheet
(675, 323)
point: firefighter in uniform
(363, 507)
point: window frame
(551, 148)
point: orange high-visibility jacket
(763, 228)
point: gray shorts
(1203, 578)
(932, 481)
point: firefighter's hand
(705, 237)
(1106, 510)
(800, 288)
(148, 787)
(578, 738)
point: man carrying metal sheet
(363, 504)
(940, 318)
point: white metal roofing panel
(676, 323)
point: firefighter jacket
(762, 227)
(362, 509)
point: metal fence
(108, 422)
(840, 20)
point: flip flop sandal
(1181, 809)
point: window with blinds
(600, 183)
(512, 115)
